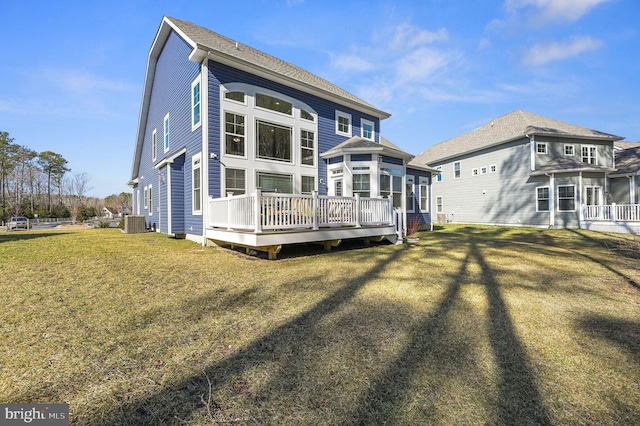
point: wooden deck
(267, 221)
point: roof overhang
(572, 170)
(383, 150)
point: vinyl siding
(555, 148)
(425, 217)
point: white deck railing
(613, 212)
(273, 211)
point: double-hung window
(196, 185)
(308, 184)
(566, 198)
(166, 133)
(343, 123)
(154, 145)
(439, 178)
(195, 104)
(439, 205)
(367, 129)
(569, 150)
(362, 185)
(424, 194)
(410, 193)
(456, 170)
(307, 147)
(541, 147)
(542, 199)
(589, 154)
(234, 130)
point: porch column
(552, 200)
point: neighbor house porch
(266, 221)
(623, 218)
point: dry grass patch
(474, 325)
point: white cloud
(541, 54)
(407, 36)
(351, 62)
(555, 10)
(422, 63)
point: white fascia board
(170, 159)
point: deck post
(358, 225)
(613, 212)
(314, 209)
(257, 211)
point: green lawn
(474, 325)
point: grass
(475, 325)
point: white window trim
(410, 180)
(474, 172)
(548, 199)
(373, 129)
(439, 175)
(423, 182)
(154, 145)
(595, 153)
(483, 170)
(227, 190)
(575, 195)
(459, 169)
(542, 144)
(347, 116)
(440, 205)
(150, 202)
(166, 133)
(493, 168)
(224, 133)
(573, 149)
(194, 126)
(196, 158)
(146, 197)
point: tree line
(40, 184)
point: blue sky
(72, 72)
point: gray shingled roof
(358, 143)
(215, 43)
(628, 161)
(564, 165)
(507, 128)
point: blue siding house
(235, 146)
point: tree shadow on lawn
(519, 401)
(261, 352)
(625, 334)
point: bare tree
(76, 187)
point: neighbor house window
(274, 104)
(235, 96)
(589, 154)
(424, 194)
(196, 185)
(146, 197)
(456, 170)
(439, 207)
(343, 123)
(307, 144)
(154, 145)
(542, 199)
(275, 182)
(483, 170)
(150, 200)
(362, 185)
(474, 172)
(195, 103)
(541, 147)
(235, 181)
(566, 198)
(274, 141)
(308, 184)
(234, 134)
(569, 150)
(493, 168)
(166, 133)
(439, 178)
(367, 129)
(409, 194)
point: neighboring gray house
(520, 169)
(624, 183)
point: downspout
(552, 202)
(204, 194)
(532, 150)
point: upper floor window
(474, 172)
(569, 150)
(439, 178)
(234, 134)
(483, 170)
(541, 147)
(368, 129)
(306, 115)
(195, 103)
(343, 123)
(493, 168)
(273, 141)
(589, 154)
(235, 96)
(166, 133)
(154, 145)
(274, 104)
(456, 170)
